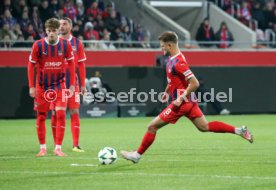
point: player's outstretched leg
(219, 127)
(75, 129)
(41, 133)
(148, 139)
(61, 114)
(54, 125)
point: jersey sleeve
(182, 68)
(33, 58)
(81, 53)
(71, 64)
(69, 52)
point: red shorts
(73, 102)
(188, 109)
(44, 100)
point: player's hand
(83, 90)
(72, 89)
(164, 98)
(32, 92)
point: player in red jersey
(73, 104)
(181, 83)
(48, 57)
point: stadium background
(181, 158)
(248, 66)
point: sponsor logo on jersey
(52, 64)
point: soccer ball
(107, 156)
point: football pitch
(180, 158)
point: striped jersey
(178, 73)
(50, 60)
(79, 56)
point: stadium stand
(23, 20)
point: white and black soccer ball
(107, 155)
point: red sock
(75, 128)
(60, 128)
(41, 129)
(219, 127)
(146, 142)
(54, 126)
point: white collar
(69, 39)
(171, 58)
(51, 44)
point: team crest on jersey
(74, 48)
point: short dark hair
(52, 23)
(68, 20)
(168, 36)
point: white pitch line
(84, 165)
(153, 160)
(145, 175)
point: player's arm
(183, 69)
(82, 69)
(71, 66)
(31, 66)
(192, 87)
(165, 95)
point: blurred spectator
(76, 30)
(5, 31)
(117, 36)
(70, 11)
(102, 18)
(138, 34)
(6, 43)
(17, 31)
(60, 13)
(54, 7)
(34, 2)
(245, 14)
(24, 21)
(80, 9)
(127, 37)
(93, 10)
(258, 14)
(271, 38)
(106, 44)
(30, 32)
(108, 10)
(90, 33)
(5, 5)
(112, 22)
(8, 19)
(44, 11)
(224, 36)
(36, 22)
(259, 35)
(18, 7)
(269, 14)
(205, 33)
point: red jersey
(178, 73)
(80, 57)
(50, 63)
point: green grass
(181, 157)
